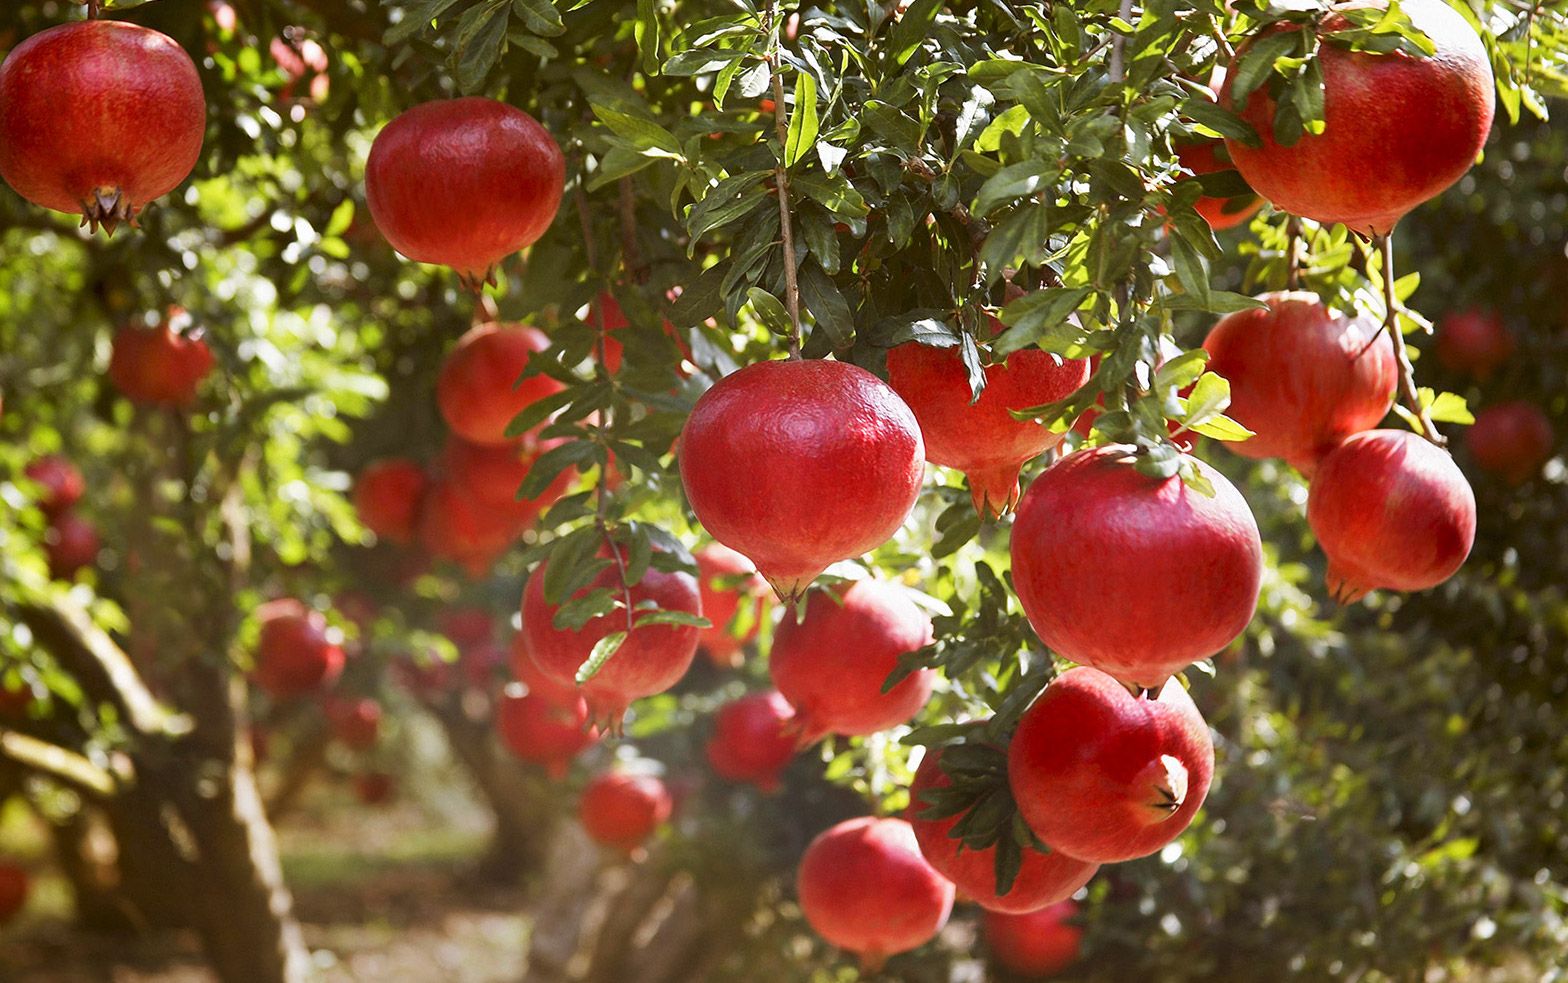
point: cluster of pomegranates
(71, 542)
(1511, 439)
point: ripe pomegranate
(831, 664)
(1043, 879)
(541, 732)
(531, 676)
(1398, 130)
(452, 526)
(1475, 342)
(751, 740)
(651, 660)
(1209, 157)
(294, 653)
(865, 887)
(14, 888)
(70, 545)
(1302, 377)
(374, 788)
(491, 474)
(464, 183)
(159, 366)
(1390, 510)
(725, 578)
(356, 723)
(98, 118)
(799, 464)
(622, 810)
(1131, 574)
(481, 664)
(981, 438)
(1512, 440)
(1105, 776)
(63, 485)
(478, 388)
(1034, 944)
(466, 625)
(388, 495)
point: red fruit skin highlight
(1474, 342)
(159, 366)
(752, 741)
(478, 389)
(1511, 440)
(1106, 776)
(725, 578)
(547, 734)
(1035, 944)
(621, 810)
(293, 653)
(1133, 575)
(387, 497)
(15, 885)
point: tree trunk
(100, 907)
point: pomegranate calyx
(108, 207)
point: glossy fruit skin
(1133, 575)
(294, 656)
(159, 366)
(527, 672)
(1474, 342)
(1302, 377)
(622, 810)
(1044, 878)
(1390, 510)
(1511, 440)
(831, 664)
(14, 888)
(355, 723)
(490, 475)
(751, 740)
(800, 464)
(388, 495)
(464, 183)
(982, 439)
(725, 578)
(1035, 944)
(864, 887)
(71, 545)
(1105, 776)
(1398, 129)
(63, 484)
(98, 118)
(478, 389)
(538, 731)
(1210, 157)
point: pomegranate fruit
(1103, 775)
(1302, 377)
(388, 495)
(1474, 342)
(14, 888)
(1134, 575)
(1390, 510)
(466, 625)
(479, 391)
(751, 740)
(491, 474)
(1043, 879)
(481, 664)
(374, 788)
(727, 580)
(14, 702)
(541, 732)
(831, 664)
(62, 484)
(1398, 130)
(799, 464)
(531, 676)
(98, 118)
(295, 654)
(622, 810)
(159, 366)
(1511, 440)
(865, 888)
(464, 183)
(1210, 157)
(981, 438)
(355, 723)
(1034, 944)
(452, 526)
(71, 545)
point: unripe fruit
(981, 438)
(800, 464)
(388, 495)
(294, 654)
(1137, 576)
(533, 678)
(622, 810)
(1302, 377)
(159, 366)
(1390, 510)
(1036, 944)
(1103, 775)
(71, 545)
(98, 118)
(541, 732)
(865, 888)
(479, 391)
(14, 888)
(1210, 157)
(62, 484)
(751, 740)
(356, 723)
(490, 475)
(1512, 440)
(464, 183)
(832, 663)
(725, 578)
(1475, 342)
(374, 788)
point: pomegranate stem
(781, 181)
(93, 9)
(1293, 253)
(1407, 373)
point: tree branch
(781, 180)
(1407, 373)
(56, 762)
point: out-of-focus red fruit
(159, 366)
(1210, 157)
(1512, 440)
(1103, 775)
(752, 741)
(622, 810)
(428, 678)
(464, 183)
(799, 464)
(491, 475)
(1398, 130)
(71, 545)
(725, 577)
(1476, 342)
(865, 888)
(609, 309)
(388, 495)
(1134, 575)
(374, 788)
(14, 888)
(467, 626)
(356, 723)
(1035, 944)
(481, 664)
(63, 485)
(831, 664)
(98, 118)
(452, 526)
(295, 654)
(1390, 510)
(1043, 879)
(1302, 377)
(478, 388)
(14, 702)
(531, 676)
(541, 732)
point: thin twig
(1407, 372)
(1116, 70)
(1293, 253)
(781, 180)
(631, 252)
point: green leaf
(1446, 407)
(540, 17)
(770, 311)
(417, 18)
(803, 121)
(663, 617)
(480, 35)
(826, 303)
(1209, 397)
(642, 133)
(603, 649)
(912, 29)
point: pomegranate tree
(295, 653)
(727, 580)
(621, 810)
(14, 888)
(544, 733)
(388, 495)
(480, 388)
(1035, 943)
(1511, 440)
(63, 485)
(752, 741)
(159, 366)
(1474, 342)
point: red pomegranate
(159, 366)
(725, 578)
(356, 723)
(374, 788)
(491, 474)
(531, 676)
(621, 810)
(1511, 440)
(14, 702)
(388, 495)
(1476, 342)
(1105, 776)
(751, 740)
(1131, 574)
(865, 888)
(981, 438)
(14, 888)
(799, 464)
(71, 545)
(481, 664)
(452, 526)
(478, 388)
(1210, 157)
(98, 118)
(466, 625)
(1034, 944)
(1398, 130)
(1390, 510)
(464, 183)
(832, 663)
(1302, 377)
(651, 660)
(295, 654)
(1043, 879)
(541, 732)
(615, 320)
(62, 484)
